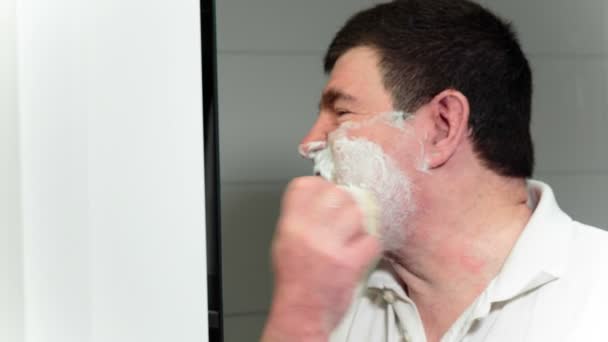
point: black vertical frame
(212, 171)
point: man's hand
(320, 252)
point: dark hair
(428, 46)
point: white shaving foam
(399, 120)
(423, 162)
(393, 119)
(321, 155)
(324, 165)
(361, 163)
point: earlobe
(450, 115)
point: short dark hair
(427, 46)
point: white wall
(11, 279)
(112, 170)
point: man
(427, 108)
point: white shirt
(552, 287)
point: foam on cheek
(361, 163)
(394, 119)
(399, 120)
(355, 162)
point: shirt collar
(539, 256)
(384, 278)
(541, 253)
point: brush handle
(369, 206)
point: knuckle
(350, 198)
(330, 199)
(287, 227)
(302, 183)
(345, 264)
(335, 198)
(342, 194)
(297, 183)
(354, 213)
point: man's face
(359, 140)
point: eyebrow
(331, 96)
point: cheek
(409, 155)
(361, 149)
(363, 163)
(402, 146)
(406, 148)
(389, 130)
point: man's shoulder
(571, 305)
(589, 241)
(588, 280)
(587, 256)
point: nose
(316, 139)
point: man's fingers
(364, 250)
(348, 223)
(300, 193)
(317, 210)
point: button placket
(390, 298)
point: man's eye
(342, 112)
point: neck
(458, 243)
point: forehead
(357, 73)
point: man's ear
(449, 112)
